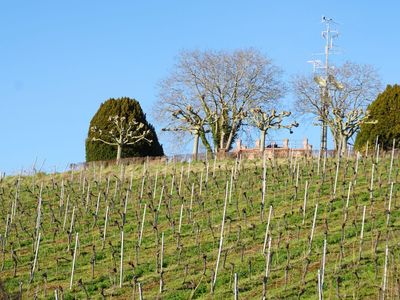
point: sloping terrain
(329, 227)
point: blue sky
(60, 59)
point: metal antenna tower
(328, 35)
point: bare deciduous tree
(219, 88)
(123, 133)
(340, 100)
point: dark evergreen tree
(129, 109)
(386, 111)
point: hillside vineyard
(220, 228)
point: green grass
(346, 275)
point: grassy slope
(183, 261)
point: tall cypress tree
(130, 109)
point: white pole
(230, 186)
(201, 182)
(264, 181)
(72, 220)
(236, 165)
(62, 193)
(362, 230)
(313, 226)
(191, 203)
(362, 223)
(385, 273)
(347, 202)
(161, 197)
(122, 260)
(131, 181)
(319, 285)
(180, 219)
(172, 184)
(348, 196)
(356, 167)
(66, 212)
(141, 189)
(7, 224)
(105, 226)
(222, 235)
(305, 201)
(391, 159)
(372, 179)
(390, 204)
(267, 229)
(180, 182)
(162, 252)
(36, 256)
(268, 257)
(126, 201)
(155, 186)
(236, 290)
(140, 291)
(337, 173)
(73, 261)
(108, 186)
(39, 213)
(87, 196)
(142, 225)
(323, 266)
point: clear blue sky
(60, 59)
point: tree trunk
(195, 146)
(324, 139)
(340, 143)
(262, 140)
(324, 125)
(119, 151)
(205, 142)
(337, 140)
(230, 137)
(222, 140)
(344, 145)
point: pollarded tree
(265, 121)
(220, 87)
(189, 120)
(385, 111)
(345, 124)
(123, 133)
(119, 129)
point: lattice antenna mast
(329, 35)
